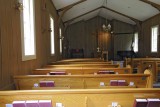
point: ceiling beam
(65, 9)
(71, 5)
(133, 19)
(82, 15)
(157, 6)
(138, 22)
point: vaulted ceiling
(128, 11)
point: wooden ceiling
(129, 11)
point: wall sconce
(19, 6)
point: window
(154, 39)
(28, 30)
(52, 35)
(60, 40)
(136, 42)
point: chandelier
(107, 26)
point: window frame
(60, 41)
(24, 56)
(157, 38)
(52, 31)
(135, 42)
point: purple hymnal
(58, 73)
(32, 103)
(50, 83)
(153, 102)
(114, 82)
(19, 104)
(45, 103)
(103, 72)
(42, 84)
(121, 83)
(140, 103)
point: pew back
(81, 97)
(84, 66)
(69, 63)
(88, 70)
(82, 60)
(83, 81)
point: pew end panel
(142, 63)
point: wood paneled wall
(88, 40)
(89, 35)
(84, 35)
(122, 41)
(10, 40)
(145, 38)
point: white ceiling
(86, 17)
(132, 8)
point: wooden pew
(81, 62)
(84, 65)
(89, 70)
(44, 71)
(124, 70)
(142, 63)
(81, 97)
(84, 81)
